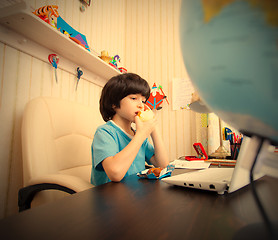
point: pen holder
(235, 147)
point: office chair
(56, 149)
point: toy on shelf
(122, 70)
(54, 60)
(119, 65)
(50, 15)
(105, 57)
(79, 74)
(74, 35)
(156, 97)
(114, 61)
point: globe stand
(221, 151)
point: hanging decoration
(54, 60)
(156, 98)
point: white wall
(145, 35)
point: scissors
(54, 60)
(79, 74)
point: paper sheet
(190, 164)
(182, 90)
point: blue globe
(230, 50)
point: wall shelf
(19, 18)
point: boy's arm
(116, 166)
(160, 158)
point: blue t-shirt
(109, 139)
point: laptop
(222, 180)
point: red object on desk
(201, 153)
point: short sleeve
(102, 139)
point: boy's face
(130, 106)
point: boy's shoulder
(108, 126)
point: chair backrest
(56, 138)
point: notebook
(221, 179)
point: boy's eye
(136, 98)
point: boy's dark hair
(119, 87)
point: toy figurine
(105, 57)
(156, 97)
(114, 62)
(49, 14)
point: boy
(117, 150)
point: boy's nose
(141, 105)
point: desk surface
(146, 209)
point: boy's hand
(145, 128)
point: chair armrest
(65, 183)
(27, 194)
(75, 183)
